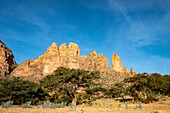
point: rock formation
(7, 62)
(67, 56)
(94, 62)
(116, 63)
(132, 71)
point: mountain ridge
(68, 56)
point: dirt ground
(99, 106)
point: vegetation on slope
(65, 84)
(148, 88)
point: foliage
(65, 81)
(62, 104)
(116, 90)
(48, 104)
(65, 99)
(7, 104)
(19, 91)
(26, 105)
(39, 96)
(59, 88)
(83, 97)
(93, 90)
(148, 88)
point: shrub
(26, 105)
(7, 104)
(62, 104)
(47, 104)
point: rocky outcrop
(94, 62)
(67, 56)
(132, 71)
(7, 62)
(125, 70)
(116, 63)
(64, 56)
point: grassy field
(99, 106)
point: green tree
(166, 82)
(148, 87)
(65, 81)
(116, 90)
(16, 90)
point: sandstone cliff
(116, 63)
(132, 71)
(67, 56)
(7, 62)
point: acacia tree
(64, 81)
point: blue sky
(137, 30)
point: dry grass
(99, 106)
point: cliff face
(7, 62)
(66, 56)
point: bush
(7, 104)
(26, 105)
(62, 104)
(47, 104)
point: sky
(137, 30)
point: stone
(7, 62)
(93, 53)
(94, 62)
(116, 63)
(67, 56)
(132, 71)
(73, 50)
(125, 70)
(63, 50)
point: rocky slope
(7, 62)
(68, 56)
